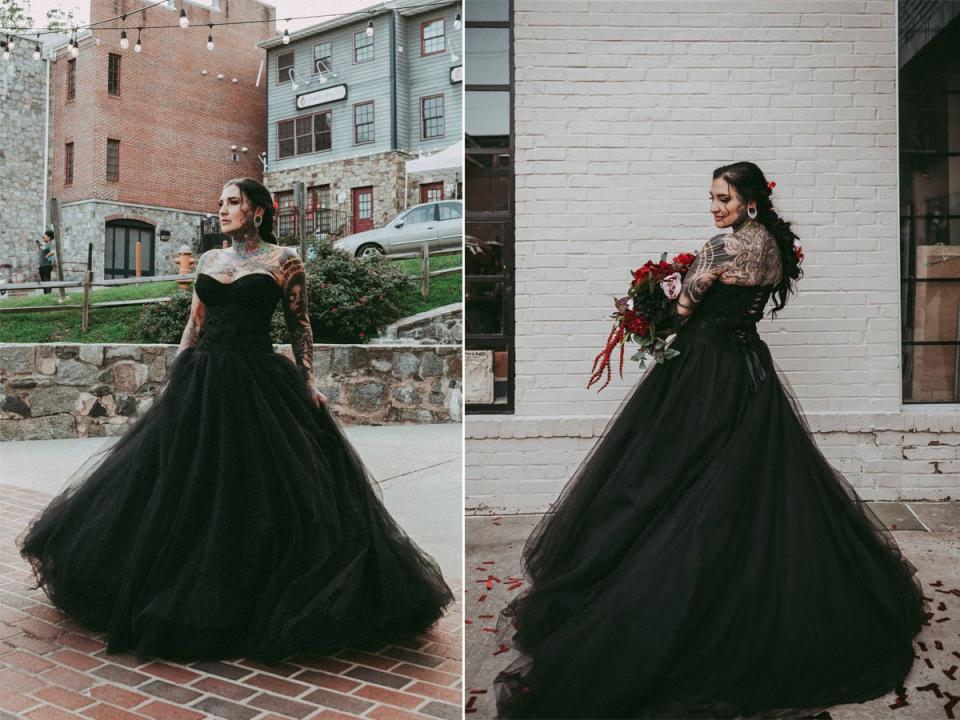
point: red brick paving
(53, 669)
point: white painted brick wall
(623, 110)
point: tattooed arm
(711, 263)
(198, 312)
(293, 280)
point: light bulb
(286, 36)
(184, 22)
(6, 52)
(219, 76)
(457, 22)
(10, 42)
(369, 28)
(209, 42)
(138, 47)
(74, 48)
(293, 83)
(36, 52)
(124, 41)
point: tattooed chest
(229, 266)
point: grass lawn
(444, 290)
(107, 325)
(113, 325)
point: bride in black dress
(233, 518)
(706, 560)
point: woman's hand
(318, 398)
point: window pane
(304, 135)
(486, 10)
(420, 215)
(284, 64)
(365, 205)
(431, 37)
(431, 110)
(488, 189)
(363, 123)
(929, 145)
(488, 113)
(930, 373)
(322, 58)
(285, 145)
(487, 58)
(362, 47)
(449, 210)
(485, 243)
(322, 132)
(113, 160)
(484, 308)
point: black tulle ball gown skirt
(706, 560)
(233, 519)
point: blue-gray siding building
(351, 100)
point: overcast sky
(285, 8)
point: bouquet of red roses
(645, 316)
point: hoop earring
(257, 220)
(752, 212)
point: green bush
(163, 322)
(349, 299)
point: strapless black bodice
(238, 313)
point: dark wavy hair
(751, 184)
(259, 197)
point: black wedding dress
(233, 519)
(706, 560)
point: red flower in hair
(276, 206)
(771, 184)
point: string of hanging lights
(7, 45)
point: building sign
(321, 97)
(456, 74)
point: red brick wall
(175, 125)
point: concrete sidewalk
(928, 535)
(418, 468)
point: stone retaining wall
(440, 326)
(54, 390)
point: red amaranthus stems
(601, 363)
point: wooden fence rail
(85, 306)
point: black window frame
(505, 340)
(113, 74)
(916, 93)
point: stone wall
(53, 390)
(383, 171)
(440, 326)
(22, 90)
(85, 222)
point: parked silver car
(439, 224)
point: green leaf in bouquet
(671, 353)
(637, 357)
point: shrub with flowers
(645, 316)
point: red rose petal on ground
(481, 598)
(503, 649)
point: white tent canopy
(449, 158)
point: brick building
(348, 106)
(143, 141)
(616, 114)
